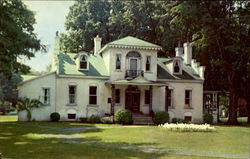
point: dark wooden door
(132, 100)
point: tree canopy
(17, 37)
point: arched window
(177, 66)
(83, 62)
(118, 62)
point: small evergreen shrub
(161, 117)
(208, 118)
(106, 120)
(94, 119)
(83, 120)
(55, 117)
(179, 120)
(123, 117)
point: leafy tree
(26, 104)
(220, 31)
(17, 37)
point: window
(46, 96)
(92, 95)
(177, 67)
(71, 116)
(117, 96)
(83, 62)
(188, 118)
(147, 96)
(170, 98)
(72, 94)
(148, 63)
(188, 98)
(118, 62)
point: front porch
(138, 96)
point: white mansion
(124, 74)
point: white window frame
(87, 61)
(48, 96)
(75, 95)
(171, 98)
(93, 94)
(190, 99)
(120, 56)
(150, 63)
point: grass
(240, 119)
(71, 140)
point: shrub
(208, 118)
(123, 117)
(94, 119)
(188, 127)
(83, 119)
(55, 116)
(179, 120)
(106, 120)
(161, 117)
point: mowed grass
(72, 140)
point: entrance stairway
(141, 119)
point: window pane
(83, 65)
(71, 116)
(148, 62)
(92, 100)
(72, 89)
(71, 99)
(176, 67)
(147, 96)
(187, 94)
(188, 118)
(92, 90)
(117, 96)
(118, 62)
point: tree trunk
(232, 110)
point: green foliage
(94, 119)
(208, 118)
(179, 120)
(17, 36)
(55, 117)
(161, 117)
(83, 119)
(123, 117)
(26, 104)
(106, 120)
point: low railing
(133, 73)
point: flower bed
(188, 127)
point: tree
(220, 31)
(26, 104)
(17, 37)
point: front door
(132, 99)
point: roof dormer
(82, 61)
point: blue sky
(50, 17)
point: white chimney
(55, 52)
(178, 51)
(201, 71)
(97, 44)
(187, 53)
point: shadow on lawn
(49, 140)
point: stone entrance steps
(140, 119)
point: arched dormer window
(83, 63)
(177, 66)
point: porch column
(150, 99)
(112, 99)
(166, 99)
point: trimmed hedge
(208, 118)
(106, 120)
(94, 119)
(55, 117)
(123, 117)
(83, 120)
(161, 117)
(179, 120)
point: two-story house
(124, 74)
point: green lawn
(71, 140)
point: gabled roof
(67, 65)
(131, 42)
